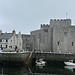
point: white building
(10, 40)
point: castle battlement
(60, 19)
(60, 22)
(44, 26)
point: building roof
(9, 35)
(5, 35)
(25, 36)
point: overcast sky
(27, 15)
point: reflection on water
(70, 68)
(13, 70)
(37, 70)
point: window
(26, 44)
(72, 43)
(6, 40)
(11, 41)
(71, 33)
(6, 46)
(65, 33)
(1, 45)
(46, 30)
(58, 43)
(0, 40)
(10, 46)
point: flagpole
(66, 15)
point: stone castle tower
(58, 37)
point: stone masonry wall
(57, 37)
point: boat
(40, 62)
(69, 63)
(12, 56)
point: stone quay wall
(53, 56)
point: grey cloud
(27, 15)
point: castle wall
(35, 35)
(25, 41)
(40, 39)
(64, 39)
(58, 37)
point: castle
(58, 36)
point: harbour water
(37, 70)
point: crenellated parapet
(44, 26)
(60, 22)
(60, 19)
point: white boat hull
(69, 63)
(40, 62)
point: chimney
(13, 32)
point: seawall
(53, 56)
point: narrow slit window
(72, 43)
(58, 43)
(65, 33)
